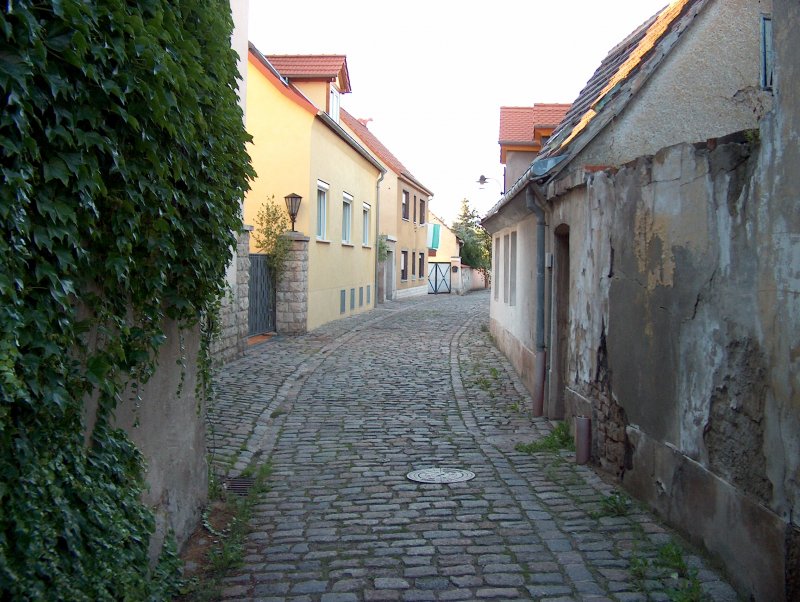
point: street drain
(440, 475)
(239, 485)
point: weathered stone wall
(232, 341)
(683, 294)
(291, 297)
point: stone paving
(343, 413)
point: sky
(433, 74)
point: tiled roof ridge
(620, 65)
(372, 142)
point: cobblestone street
(342, 414)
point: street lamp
(484, 179)
(293, 206)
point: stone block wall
(291, 298)
(232, 341)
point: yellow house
(404, 211)
(299, 147)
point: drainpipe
(534, 203)
(377, 234)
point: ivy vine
(123, 159)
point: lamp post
(293, 206)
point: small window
(506, 255)
(496, 275)
(347, 217)
(413, 265)
(352, 298)
(365, 225)
(415, 208)
(322, 209)
(342, 301)
(422, 211)
(368, 295)
(404, 207)
(766, 52)
(334, 103)
(512, 268)
(404, 265)
(421, 270)
(361, 296)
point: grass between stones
(557, 439)
(218, 545)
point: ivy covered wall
(123, 161)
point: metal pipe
(532, 202)
(377, 235)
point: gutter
(377, 235)
(534, 201)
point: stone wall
(683, 314)
(291, 298)
(232, 341)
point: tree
(272, 223)
(476, 250)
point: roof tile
(517, 124)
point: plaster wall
(412, 236)
(711, 79)
(168, 427)
(335, 265)
(448, 243)
(517, 163)
(513, 326)
(683, 317)
(280, 151)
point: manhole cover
(440, 475)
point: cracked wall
(685, 268)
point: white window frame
(365, 224)
(322, 209)
(347, 218)
(404, 205)
(334, 104)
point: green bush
(123, 161)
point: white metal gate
(438, 278)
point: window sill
(366, 246)
(405, 219)
(323, 241)
(347, 244)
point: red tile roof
(517, 124)
(360, 129)
(312, 66)
(613, 78)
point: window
(506, 252)
(404, 265)
(421, 211)
(512, 292)
(766, 52)
(347, 217)
(415, 208)
(365, 225)
(404, 208)
(352, 298)
(413, 265)
(421, 265)
(334, 103)
(361, 296)
(322, 209)
(368, 294)
(342, 301)
(496, 279)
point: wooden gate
(261, 314)
(438, 278)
